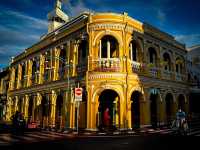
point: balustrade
(106, 65)
(166, 74)
(136, 66)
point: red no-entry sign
(78, 94)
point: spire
(57, 17)
(58, 4)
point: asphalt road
(111, 143)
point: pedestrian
(106, 117)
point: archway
(154, 108)
(108, 109)
(134, 51)
(20, 104)
(135, 109)
(109, 47)
(152, 56)
(62, 60)
(44, 111)
(169, 105)
(181, 102)
(30, 109)
(167, 59)
(59, 109)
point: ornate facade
(132, 68)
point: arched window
(16, 73)
(82, 51)
(34, 67)
(179, 65)
(133, 51)
(108, 47)
(167, 61)
(48, 65)
(152, 56)
(63, 56)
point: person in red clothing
(106, 118)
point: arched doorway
(135, 109)
(167, 59)
(44, 111)
(30, 109)
(181, 102)
(20, 104)
(108, 110)
(169, 108)
(109, 47)
(152, 56)
(154, 107)
(59, 109)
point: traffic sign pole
(77, 116)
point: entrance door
(154, 119)
(58, 117)
(135, 109)
(169, 108)
(108, 109)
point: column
(41, 75)
(38, 114)
(26, 105)
(108, 49)
(8, 109)
(131, 51)
(16, 103)
(129, 114)
(12, 79)
(26, 75)
(74, 62)
(53, 109)
(100, 49)
(56, 63)
(29, 73)
(19, 76)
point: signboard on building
(78, 94)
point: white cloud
(189, 39)
(161, 16)
(28, 20)
(76, 9)
(18, 31)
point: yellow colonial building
(130, 67)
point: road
(150, 139)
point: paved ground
(60, 141)
(144, 138)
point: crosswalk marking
(6, 139)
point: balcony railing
(180, 77)
(81, 68)
(153, 71)
(106, 65)
(35, 78)
(166, 74)
(136, 66)
(61, 72)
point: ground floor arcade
(104, 106)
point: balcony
(136, 66)
(81, 69)
(35, 78)
(47, 75)
(166, 74)
(179, 77)
(153, 71)
(61, 72)
(106, 65)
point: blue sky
(22, 22)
